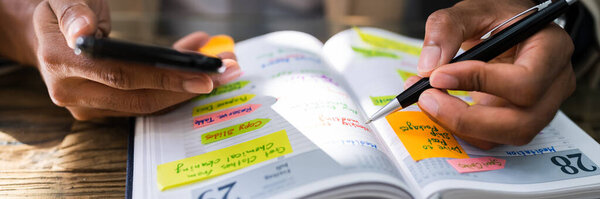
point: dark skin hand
(516, 94)
(93, 88)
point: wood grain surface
(45, 153)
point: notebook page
(375, 73)
(285, 86)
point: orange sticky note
(217, 44)
(424, 138)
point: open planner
(293, 126)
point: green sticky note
(382, 100)
(374, 53)
(223, 89)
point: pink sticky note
(477, 164)
(224, 115)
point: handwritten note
(381, 100)
(217, 44)
(222, 161)
(477, 164)
(222, 104)
(223, 89)
(234, 130)
(343, 121)
(374, 52)
(381, 42)
(422, 137)
(405, 74)
(225, 115)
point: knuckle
(144, 104)
(528, 95)
(59, 96)
(441, 18)
(522, 136)
(116, 78)
(165, 81)
(70, 10)
(81, 116)
(50, 62)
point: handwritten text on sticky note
(234, 130)
(217, 44)
(477, 164)
(222, 161)
(424, 138)
(225, 115)
(381, 100)
(222, 104)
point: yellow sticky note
(424, 138)
(222, 104)
(222, 161)
(458, 93)
(217, 44)
(405, 74)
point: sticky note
(405, 74)
(424, 138)
(223, 89)
(217, 44)
(222, 161)
(234, 130)
(225, 115)
(477, 164)
(222, 104)
(374, 53)
(381, 100)
(458, 93)
(381, 42)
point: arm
(16, 30)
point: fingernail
(428, 103)
(230, 74)
(197, 86)
(442, 80)
(75, 27)
(430, 56)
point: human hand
(92, 88)
(519, 92)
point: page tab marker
(477, 164)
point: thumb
(445, 31)
(75, 18)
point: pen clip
(538, 7)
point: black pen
(148, 55)
(485, 51)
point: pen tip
(368, 121)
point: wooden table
(45, 153)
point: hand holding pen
(519, 91)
